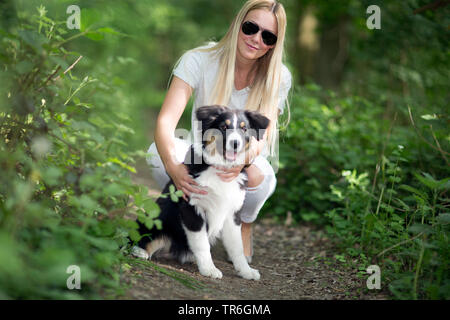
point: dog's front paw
(212, 272)
(139, 253)
(249, 274)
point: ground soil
(295, 262)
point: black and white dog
(189, 228)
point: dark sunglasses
(250, 28)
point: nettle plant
(65, 190)
(397, 222)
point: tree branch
(71, 67)
(432, 6)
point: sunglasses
(250, 28)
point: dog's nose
(235, 144)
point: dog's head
(226, 133)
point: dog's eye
(223, 127)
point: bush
(322, 139)
(379, 187)
(65, 169)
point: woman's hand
(183, 181)
(229, 174)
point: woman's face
(252, 47)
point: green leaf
(33, 39)
(52, 175)
(158, 224)
(151, 208)
(96, 36)
(422, 195)
(113, 189)
(149, 223)
(429, 117)
(89, 18)
(418, 228)
(179, 193)
(173, 197)
(134, 235)
(110, 31)
(59, 62)
(24, 67)
(443, 218)
(427, 180)
(403, 204)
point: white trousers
(254, 197)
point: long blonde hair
(264, 93)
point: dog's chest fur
(223, 199)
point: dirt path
(295, 262)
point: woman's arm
(173, 106)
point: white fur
(231, 237)
(223, 199)
(200, 247)
(218, 208)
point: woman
(243, 70)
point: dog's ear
(258, 123)
(208, 114)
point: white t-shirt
(199, 69)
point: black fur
(257, 122)
(237, 217)
(174, 214)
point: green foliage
(404, 228)
(379, 188)
(369, 161)
(65, 168)
(321, 141)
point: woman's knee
(263, 185)
(255, 176)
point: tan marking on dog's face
(211, 144)
(211, 140)
(228, 122)
(242, 124)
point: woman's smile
(251, 47)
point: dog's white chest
(223, 199)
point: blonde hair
(264, 93)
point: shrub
(378, 186)
(65, 169)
